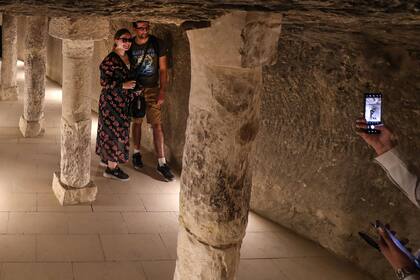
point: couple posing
(136, 68)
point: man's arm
(163, 78)
(399, 174)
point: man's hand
(396, 258)
(160, 98)
(381, 143)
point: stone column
(31, 123)
(9, 58)
(72, 184)
(226, 84)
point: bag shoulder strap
(144, 54)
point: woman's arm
(110, 78)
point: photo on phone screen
(373, 111)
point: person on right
(149, 58)
(388, 157)
(384, 145)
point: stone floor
(129, 233)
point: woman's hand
(129, 85)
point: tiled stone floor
(129, 232)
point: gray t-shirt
(147, 74)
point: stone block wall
(312, 173)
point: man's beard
(144, 36)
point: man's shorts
(152, 110)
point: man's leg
(154, 117)
(136, 134)
(158, 140)
(162, 167)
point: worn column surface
(223, 123)
(73, 184)
(9, 58)
(31, 123)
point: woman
(112, 141)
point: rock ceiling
(398, 21)
(199, 10)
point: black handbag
(138, 106)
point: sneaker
(137, 162)
(165, 171)
(103, 163)
(116, 174)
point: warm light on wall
(20, 75)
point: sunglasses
(126, 40)
(142, 28)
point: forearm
(163, 79)
(109, 83)
(413, 277)
(398, 172)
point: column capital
(86, 28)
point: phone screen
(373, 111)
(400, 245)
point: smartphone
(373, 112)
(369, 240)
(398, 243)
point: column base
(31, 128)
(9, 94)
(197, 259)
(67, 195)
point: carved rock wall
(312, 173)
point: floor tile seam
(2, 272)
(129, 234)
(143, 270)
(8, 222)
(281, 258)
(101, 244)
(36, 202)
(72, 271)
(82, 262)
(142, 260)
(166, 246)
(284, 258)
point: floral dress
(112, 141)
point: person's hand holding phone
(381, 142)
(395, 256)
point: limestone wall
(21, 37)
(54, 59)
(312, 173)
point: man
(149, 62)
(389, 159)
